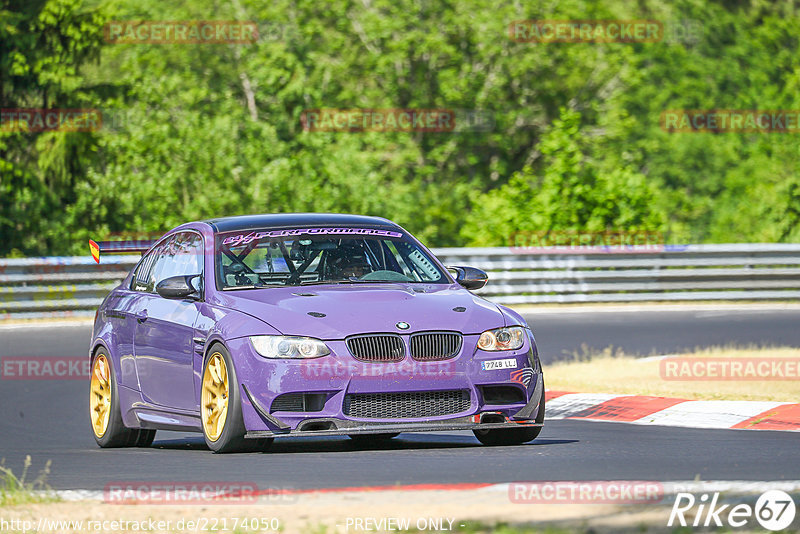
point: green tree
(43, 44)
(575, 191)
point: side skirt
(158, 418)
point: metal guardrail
(686, 272)
(58, 286)
(75, 286)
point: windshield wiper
(234, 288)
(352, 280)
(251, 286)
(320, 282)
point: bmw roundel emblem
(403, 326)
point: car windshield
(306, 256)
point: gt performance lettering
(244, 239)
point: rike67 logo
(774, 510)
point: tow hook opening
(316, 426)
(492, 418)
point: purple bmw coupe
(255, 327)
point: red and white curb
(665, 488)
(646, 410)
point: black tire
(373, 439)
(116, 434)
(231, 439)
(513, 436)
(145, 438)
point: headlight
(289, 347)
(510, 338)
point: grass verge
(617, 372)
(17, 490)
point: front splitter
(345, 427)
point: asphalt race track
(48, 420)
(651, 333)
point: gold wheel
(215, 396)
(100, 402)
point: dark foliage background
(214, 129)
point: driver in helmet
(347, 261)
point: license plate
(491, 365)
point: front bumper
(336, 377)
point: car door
(121, 310)
(163, 345)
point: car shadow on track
(312, 444)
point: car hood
(355, 309)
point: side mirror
(177, 287)
(470, 277)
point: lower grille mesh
(406, 405)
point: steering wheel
(239, 276)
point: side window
(181, 255)
(139, 282)
(159, 264)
